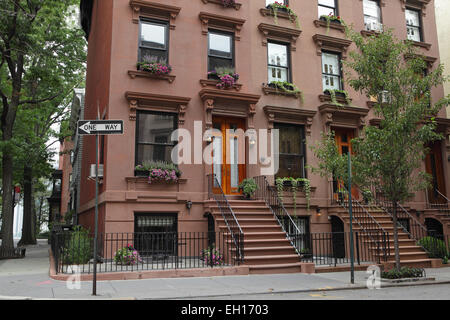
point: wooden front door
(229, 153)
(343, 139)
(434, 167)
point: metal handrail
(266, 193)
(442, 207)
(366, 219)
(226, 210)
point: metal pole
(352, 264)
(94, 278)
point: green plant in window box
(295, 182)
(159, 171)
(279, 6)
(248, 187)
(331, 18)
(333, 92)
(287, 87)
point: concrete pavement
(28, 278)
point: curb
(356, 287)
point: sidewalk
(29, 279)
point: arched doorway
(338, 237)
(434, 228)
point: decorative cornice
(236, 6)
(157, 102)
(213, 83)
(133, 74)
(348, 115)
(324, 42)
(221, 22)
(415, 4)
(382, 3)
(428, 59)
(274, 32)
(290, 115)
(332, 25)
(228, 95)
(154, 10)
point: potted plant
(152, 65)
(127, 256)
(277, 6)
(212, 257)
(248, 187)
(227, 77)
(334, 93)
(367, 196)
(306, 254)
(286, 87)
(158, 171)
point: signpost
(98, 127)
(352, 264)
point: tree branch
(38, 100)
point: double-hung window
(331, 71)
(220, 50)
(278, 62)
(372, 14)
(291, 150)
(153, 41)
(153, 136)
(327, 7)
(413, 25)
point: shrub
(77, 247)
(404, 272)
(127, 256)
(248, 187)
(435, 247)
(212, 256)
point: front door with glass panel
(434, 167)
(229, 153)
(343, 140)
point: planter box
(139, 173)
(331, 21)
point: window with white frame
(278, 62)
(372, 15)
(327, 7)
(413, 25)
(331, 71)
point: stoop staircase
(377, 219)
(266, 248)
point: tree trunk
(396, 247)
(28, 221)
(7, 205)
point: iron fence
(118, 252)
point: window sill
(281, 13)
(420, 44)
(143, 178)
(369, 33)
(339, 98)
(213, 83)
(274, 90)
(236, 6)
(333, 25)
(133, 74)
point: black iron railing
(235, 231)
(333, 248)
(269, 194)
(369, 226)
(120, 252)
(438, 201)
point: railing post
(357, 248)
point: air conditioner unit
(374, 26)
(100, 171)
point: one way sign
(100, 127)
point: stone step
(263, 235)
(272, 259)
(275, 268)
(256, 228)
(251, 221)
(267, 242)
(262, 251)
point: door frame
(225, 124)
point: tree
(41, 57)
(390, 155)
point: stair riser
(267, 251)
(249, 215)
(263, 261)
(258, 222)
(244, 209)
(266, 244)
